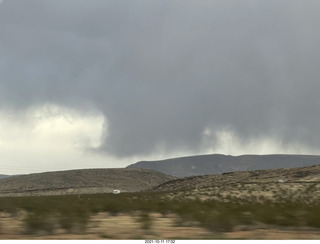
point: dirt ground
(130, 227)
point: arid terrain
(85, 181)
(294, 184)
(261, 204)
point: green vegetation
(46, 213)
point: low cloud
(49, 138)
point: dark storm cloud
(164, 71)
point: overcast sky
(105, 83)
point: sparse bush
(106, 236)
(145, 220)
(35, 223)
(74, 222)
(313, 217)
(45, 214)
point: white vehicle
(116, 192)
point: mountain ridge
(219, 163)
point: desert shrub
(313, 217)
(286, 213)
(216, 220)
(73, 220)
(44, 214)
(212, 215)
(145, 220)
(72, 214)
(7, 206)
(35, 223)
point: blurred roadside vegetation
(72, 213)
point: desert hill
(218, 163)
(309, 174)
(4, 176)
(81, 181)
(301, 185)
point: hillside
(218, 163)
(276, 185)
(309, 174)
(81, 181)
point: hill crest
(219, 163)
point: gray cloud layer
(163, 71)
